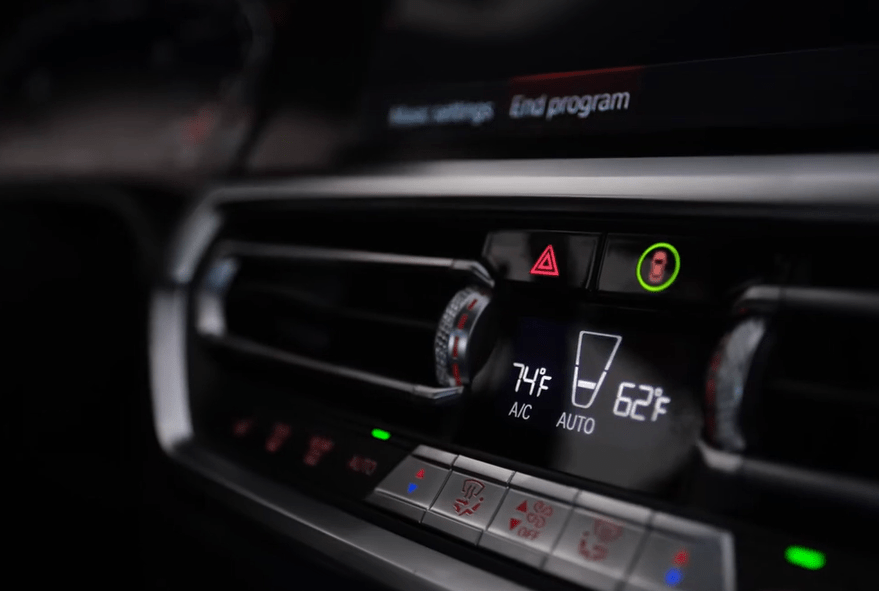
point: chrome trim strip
(311, 253)
(417, 390)
(721, 461)
(831, 486)
(191, 241)
(170, 393)
(229, 248)
(210, 306)
(793, 181)
(812, 299)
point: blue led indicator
(412, 488)
(673, 577)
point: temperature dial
(463, 338)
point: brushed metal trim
(170, 392)
(793, 181)
(250, 347)
(315, 253)
(811, 299)
(791, 478)
(210, 298)
(229, 248)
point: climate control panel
(588, 539)
(565, 408)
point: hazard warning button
(553, 258)
(546, 263)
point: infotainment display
(605, 69)
(606, 395)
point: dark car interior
(450, 295)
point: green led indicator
(805, 557)
(381, 434)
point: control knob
(463, 337)
(726, 382)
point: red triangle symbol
(514, 523)
(523, 507)
(546, 264)
(420, 473)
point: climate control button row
(588, 539)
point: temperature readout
(582, 385)
(609, 396)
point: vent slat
(371, 313)
(818, 395)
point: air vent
(362, 316)
(819, 391)
(811, 399)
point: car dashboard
(571, 296)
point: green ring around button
(674, 275)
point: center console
(606, 374)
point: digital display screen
(604, 68)
(610, 399)
(463, 42)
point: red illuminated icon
(536, 516)
(596, 553)
(606, 531)
(317, 447)
(682, 558)
(420, 473)
(280, 433)
(242, 427)
(540, 512)
(362, 465)
(657, 266)
(468, 503)
(546, 264)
